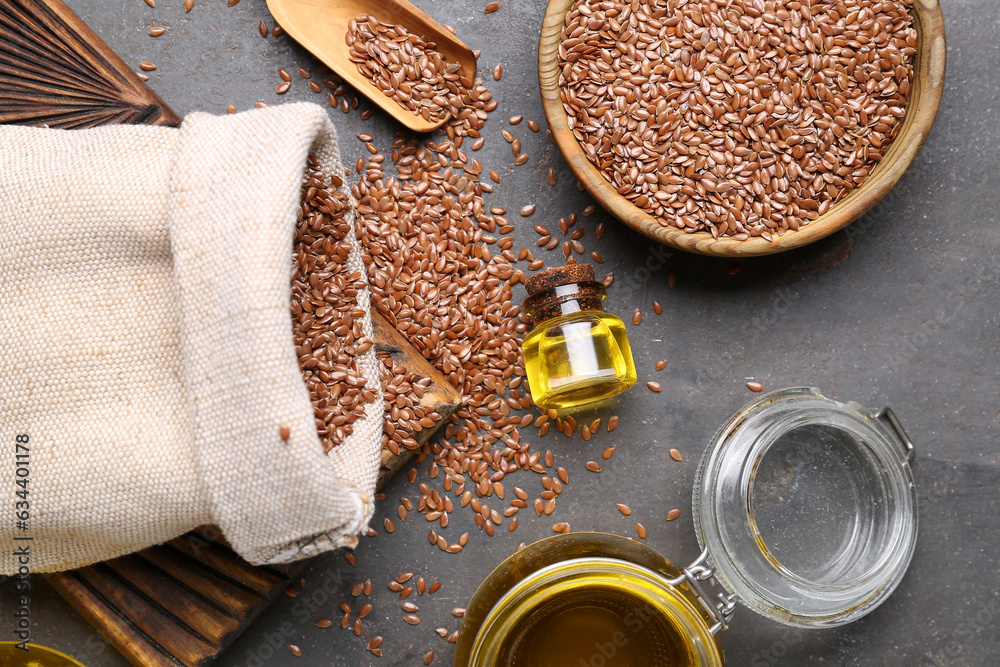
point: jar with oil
(805, 509)
(576, 353)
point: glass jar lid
(806, 507)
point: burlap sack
(146, 343)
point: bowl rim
(925, 97)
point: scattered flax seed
(612, 423)
(411, 475)
(673, 514)
(597, 257)
(563, 475)
(358, 627)
(657, 307)
(514, 120)
(375, 642)
(754, 386)
(527, 210)
(395, 586)
(262, 29)
(533, 126)
(497, 72)
(284, 432)
(231, 109)
(558, 527)
(147, 66)
(290, 591)
(156, 32)
(595, 425)
(733, 269)
(661, 364)
(637, 317)
(411, 619)
(608, 453)
(672, 279)
(349, 557)
(303, 72)
(357, 589)
(406, 592)
(188, 5)
(654, 386)
(344, 607)
(277, 31)
(283, 88)
(365, 610)
(458, 612)
(436, 586)
(368, 587)
(429, 658)
(324, 623)
(151, 3)
(624, 509)
(232, 3)
(491, 7)
(593, 466)
(585, 432)
(676, 455)
(553, 176)
(421, 586)
(521, 159)
(410, 608)
(294, 650)
(345, 621)
(404, 577)
(512, 526)
(640, 531)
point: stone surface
(899, 309)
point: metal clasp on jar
(720, 607)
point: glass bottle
(576, 353)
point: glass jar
(576, 353)
(806, 512)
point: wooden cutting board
(183, 602)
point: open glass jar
(806, 512)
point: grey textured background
(900, 309)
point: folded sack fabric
(147, 365)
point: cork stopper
(559, 275)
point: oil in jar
(576, 353)
(597, 626)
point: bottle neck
(565, 300)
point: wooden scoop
(321, 26)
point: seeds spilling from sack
(326, 320)
(743, 120)
(407, 68)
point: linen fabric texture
(146, 346)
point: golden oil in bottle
(576, 353)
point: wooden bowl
(925, 95)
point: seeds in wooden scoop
(739, 123)
(407, 68)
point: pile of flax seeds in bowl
(744, 121)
